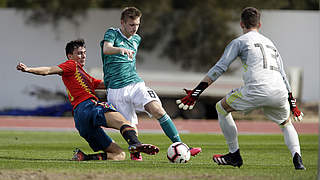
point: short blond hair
(130, 12)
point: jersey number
(151, 93)
(274, 56)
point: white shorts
(274, 103)
(130, 99)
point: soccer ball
(178, 152)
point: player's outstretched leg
(169, 128)
(233, 159)
(156, 110)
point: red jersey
(80, 85)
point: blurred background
(181, 41)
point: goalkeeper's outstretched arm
(192, 95)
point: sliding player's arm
(40, 70)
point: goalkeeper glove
(297, 114)
(192, 96)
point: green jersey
(119, 70)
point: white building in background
(295, 33)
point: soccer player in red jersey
(89, 113)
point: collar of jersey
(118, 29)
(77, 63)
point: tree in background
(190, 33)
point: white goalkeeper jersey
(262, 63)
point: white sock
(291, 138)
(228, 127)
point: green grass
(46, 155)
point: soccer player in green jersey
(125, 89)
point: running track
(151, 125)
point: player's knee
(155, 109)
(220, 109)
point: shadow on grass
(32, 159)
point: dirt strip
(151, 125)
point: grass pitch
(46, 155)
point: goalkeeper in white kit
(265, 87)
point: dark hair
(250, 17)
(130, 12)
(72, 45)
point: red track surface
(151, 125)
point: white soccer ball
(178, 152)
